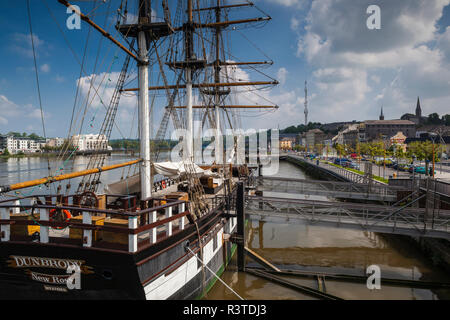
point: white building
(19, 144)
(55, 142)
(87, 142)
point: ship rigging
(146, 226)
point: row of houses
(84, 142)
(371, 130)
(398, 132)
(20, 144)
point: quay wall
(437, 250)
(314, 170)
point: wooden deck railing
(139, 226)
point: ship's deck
(120, 222)
(220, 191)
(65, 233)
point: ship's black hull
(120, 275)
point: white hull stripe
(165, 286)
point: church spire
(381, 115)
(418, 109)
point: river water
(14, 170)
(303, 247)
(309, 247)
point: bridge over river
(368, 217)
(396, 216)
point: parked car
(420, 170)
(345, 164)
(391, 164)
(341, 162)
(403, 167)
(353, 165)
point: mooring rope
(217, 277)
(200, 245)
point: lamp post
(384, 156)
(433, 136)
(441, 133)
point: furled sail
(167, 169)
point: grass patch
(381, 179)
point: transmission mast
(306, 104)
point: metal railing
(377, 218)
(337, 189)
(139, 227)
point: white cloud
(35, 113)
(45, 68)
(98, 89)
(375, 79)
(291, 105)
(344, 54)
(21, 43)
(294, 23)
(12, 113)
(281, 75)
(59, 78)
(289, 3)
(8, 108)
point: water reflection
(14, 170)
(316, 248)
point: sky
(352, 71)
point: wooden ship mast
(146, 32)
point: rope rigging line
(214, 274)
(65, 148)
(37, 79)
(93, 77)
(91, 182)
(239, 60)
(72, 50)
(64, 151)
(257, 8)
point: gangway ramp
(368, 217)
(335, 189)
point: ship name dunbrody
(39, 262)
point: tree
(399, 153)
(340, 148)
(375, 148)
(14, 134)
(446, 119)
(35, 137)
(424, 151)
(6, 152)
(299, 148)
(433, 118)
(364, 148)
(318, 148)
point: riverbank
(29, 155)
(57, 154)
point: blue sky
(351, 71)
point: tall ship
(161, 231)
